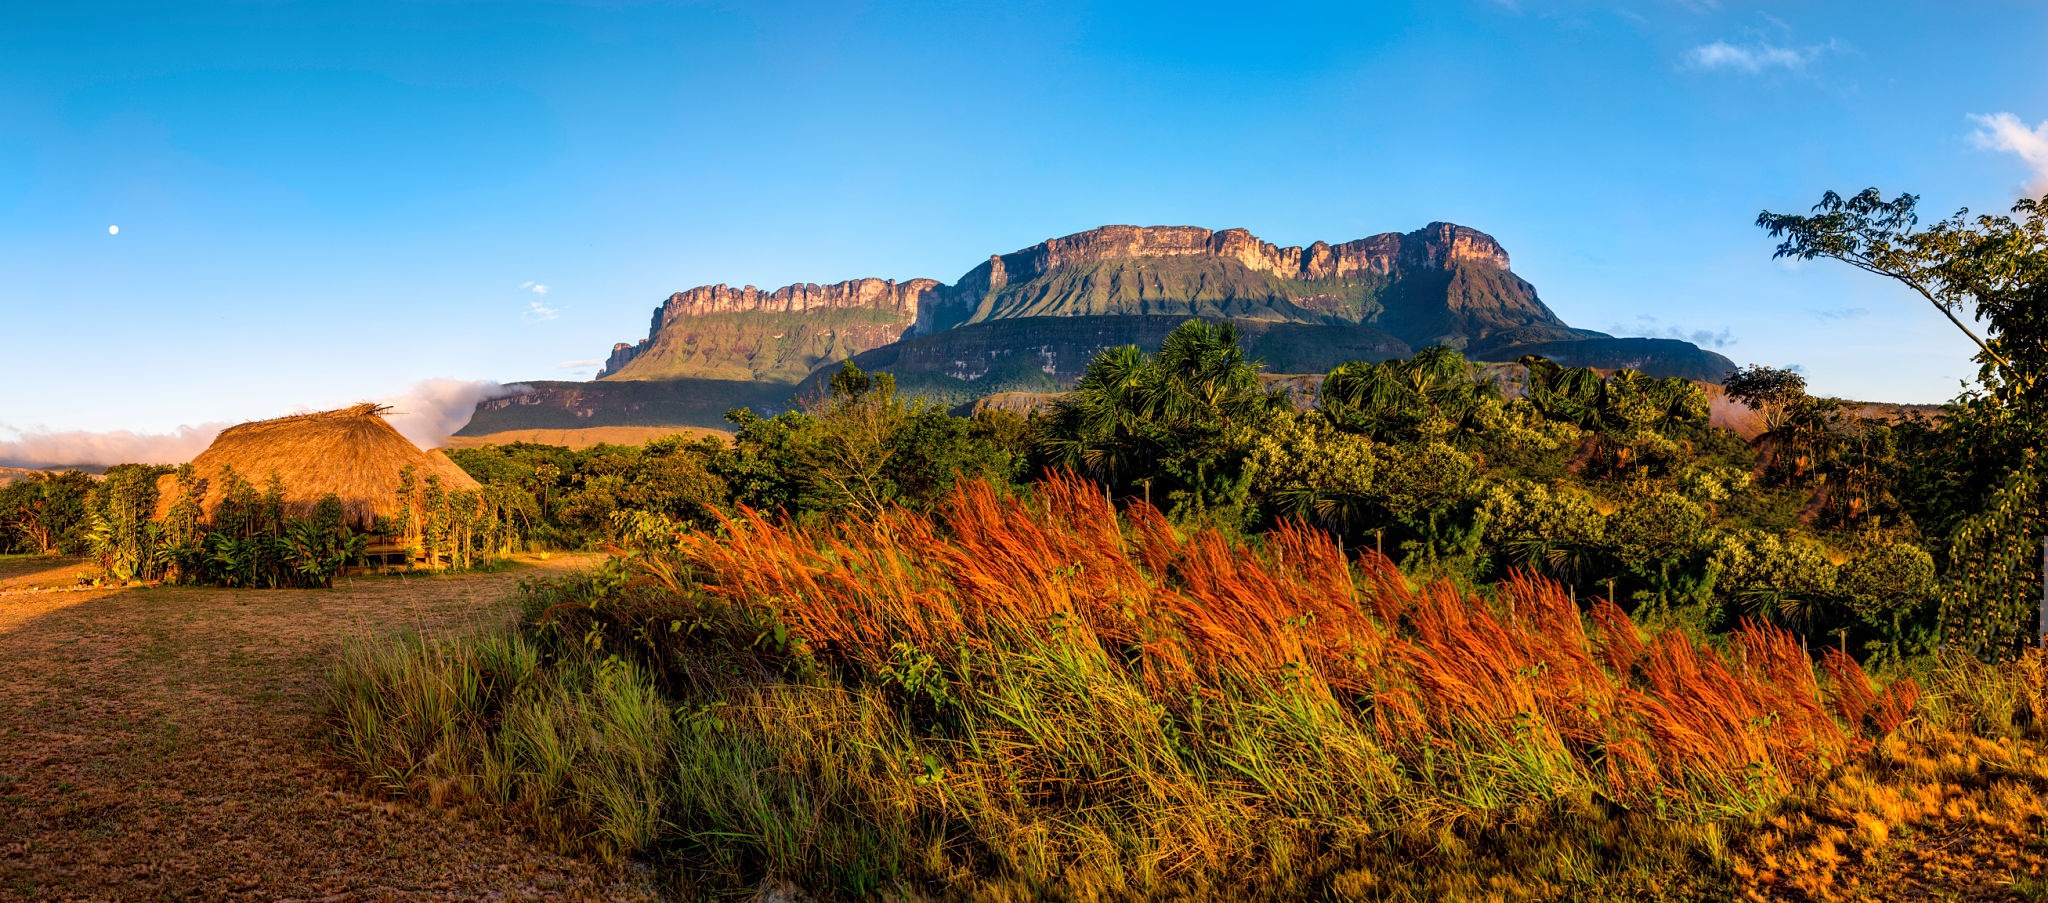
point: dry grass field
(167, 743)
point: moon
(113, 230)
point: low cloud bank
(78, 448)
(1650, 327)
(433, 409)
(427, 413)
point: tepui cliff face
(1438, 245)
(1442, 283)
(893, 304)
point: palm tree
(1163, 417)
(1575, 395)
(1102, 428)
(1626, 410)
(1436, 385)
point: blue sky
(324, 203)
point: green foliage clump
(1786, 579)
(861, 447)
(123, 534)
(1972, 482)
(1171, 427)
(1559, 532)
(552, 497)
(864, 447)
(250, 540)
(45, 514)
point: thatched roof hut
(351, 452)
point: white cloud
(539, 311)
(47, 448)
(427, 413)
(534, 287)
(1650, 328)
(433, 409)
(1753, 58)
(1843, 313)
(578, 365)
(2006, 132)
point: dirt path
(166, 743)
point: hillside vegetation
(760, 345)
(558, 405)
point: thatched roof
(351, 452)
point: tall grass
(1032, 697)
(581, 749)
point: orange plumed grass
(1031, 694)
(1494, 704)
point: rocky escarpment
(882, 309)
(1166, 270)
(1436, 246)
(1443, 283)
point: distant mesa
(718, 332)
(1442, 283)
(1030, 320)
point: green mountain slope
(559, 405)
(1657, 357)
(1047, 354)
(1212, 287)
(760, 345)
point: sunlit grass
(1018, 698)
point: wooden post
(2044, 592)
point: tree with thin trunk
(1982, 483)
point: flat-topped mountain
(717, 332)
(1031, 320)
(1184, 270)
(1441, 284)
